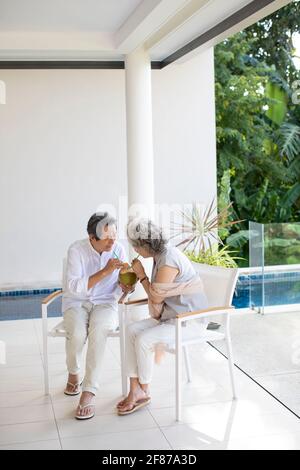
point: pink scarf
(165, 290)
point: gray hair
(143, 233)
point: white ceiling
(204, 19)
(65, 15)
(110, 29)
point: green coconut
(127, 277)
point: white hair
(143, 233)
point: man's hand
(112, 265)
(127, 289)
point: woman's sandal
(136, 405)
(82, 407)
(75, 388)
(120, 404)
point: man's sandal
(82, 407)
(75, 389)
(136, 405)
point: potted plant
(199, 231)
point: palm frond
(289, 141)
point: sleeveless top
(174, 258)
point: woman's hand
(138, 268)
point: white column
(140, 169)
(139, 132)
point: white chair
(59, 331)
(219, 285)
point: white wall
(184, 131)
(63, 152)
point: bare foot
(73, 385)
(85, 399)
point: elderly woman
(170, 268)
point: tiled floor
(267, 347)
(29, 420)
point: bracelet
(144, 278)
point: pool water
(20, 307)
(280, 289)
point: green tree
(258, 133)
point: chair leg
(231, 367)
(122, 349)
(187, 364)
(45, 349)
(178, 374)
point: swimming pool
(282, 288)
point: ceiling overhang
(172, 30)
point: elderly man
(90, 305)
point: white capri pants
(92, 323)
(141, 338)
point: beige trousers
(90, 323)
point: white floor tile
(15, 384)
(162, 398)
(27, 398)
(29, 432)
(240, 409)
(19, 349)
(20, 361)
(219, 429)
(106, 424)
(185, 436)
(17, 325)
(26, 414)
(41, 445)
(149, 439)
(21, 372)
(272, 442)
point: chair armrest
(55, 295)
(136, 303)
(204, 313)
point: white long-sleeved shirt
(82, 262)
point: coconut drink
(127, 276)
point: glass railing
(274, 261)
